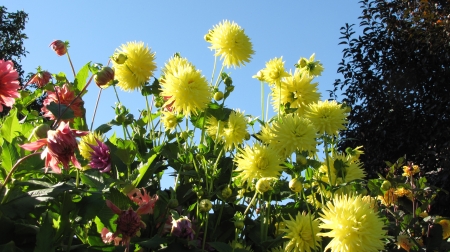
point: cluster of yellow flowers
(350, 221)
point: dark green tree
(396, 79)
(12, 26)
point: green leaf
(119, 199)
(94, 179)
(44, 241)
(221, 246)
(10, 126)
(153, 243)
(79, 123)
(102, 129)
(90, 206)
(144, 168)
(80, 80)
(58, 109)
(9, 155)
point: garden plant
(240, 182)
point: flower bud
(205, 205)
(247, 136)
(259, 76)
(218, 96)
(295, 185)
(41, 131)
(119, 58)
(59, 47)
(263, 185)
(173, 203)
(104, 77)
(386, 185)
(226, 193)
(239, 225)
(300, 159)
(228, 81)
(229, 88)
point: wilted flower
(445, 224)
(401, 192)
(230, 43)
(187, 89)
(328, 117)
(404, 242)
(274, 71)
(59, 47)
(41, 78)
(8, 84)
(61, 145)
(138, 67)
(389, 198)
(257, 162)
(302, 233)
(409, 171)
(64, 96)
(145, 202)
(313, 68)
(182, 228)
(353, 225)
(100, 156)
(108, 237)
(128, 223)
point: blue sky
(291, 29)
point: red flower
(61, 145)
(145, 202)
(41, 78)
(59, 47)
(64, 96)
(109, 237)
(8, 84)
(128, 223)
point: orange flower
(8, 84)
(41, 78)
(63, 95)
(409, 171)
(60, 147)
(59, 47)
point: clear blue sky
(291, 29)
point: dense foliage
(396, 77)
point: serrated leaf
(9, 155)
(10, 126)
(58, 109)
(80, 80)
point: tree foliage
(395, 78)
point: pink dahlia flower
(60, 147)
(145, 202)
(8, 84)
(41, 78)
(63, 95)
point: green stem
(325, 143)
(205, 231)
(222, 204)
(71, 65)
(95, 109)
(150, 119)
(218, 77)
(262, 101)
(251, 203)
(214, 69)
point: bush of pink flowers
(242, 183)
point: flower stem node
(205, 205)
(295, 185)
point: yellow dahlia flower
(235, 130)
(352, 224)
(313, 68)
(343, 167)
(169, 120)
(138, 67)
(279, 249)
(257, 162)
(302, 233)
(291, 133)
(187, 89)
(173, 65)
(83, 146)
(274, 71)
(314, 200)
(372, 202)
(328, 117)
(214, 127)
(230, 43)
(297, 90)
